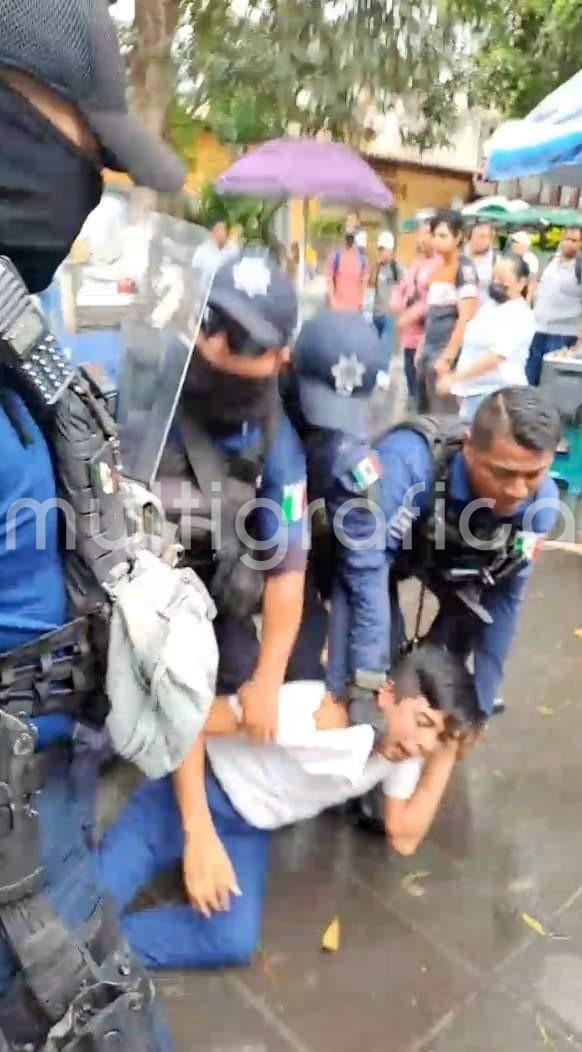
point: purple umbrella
(305, 168)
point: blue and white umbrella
(548, 141)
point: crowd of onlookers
(469, 317)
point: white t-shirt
(506, 329)
(306, 770)
(208, 257)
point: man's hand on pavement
(208, 874)
(259, 702)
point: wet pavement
(473, 945)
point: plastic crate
(561, 385)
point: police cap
(338, 360)
(253, 292)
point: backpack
(337, 260)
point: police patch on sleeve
(294, 502)
(528, 544)
(367, 472)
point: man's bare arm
(408, 821)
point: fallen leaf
(411, 883)
(545, 710)
(533, 924)
(548, 1043)
(331, 937)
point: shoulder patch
(294, 502)
(528, 544)
(367, 471)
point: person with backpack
(558, 306)
(347, 270)
(453, 299)
(389, 274)
(409, 303)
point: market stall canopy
(548, 141)
(305, 168)
(524, 217)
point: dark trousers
(410, 371)
(428, 399)
(543, 343)
(71, 883)
(238, 645)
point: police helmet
(338, 361)
(253, 302)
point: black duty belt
(58, 672)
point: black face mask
(48, 187)
(349, 239)
(498, 293)
(225, 402)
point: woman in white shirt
(497, 340)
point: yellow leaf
(545, 710)
(533, 924)
(578, 633)
(331, 937)
(411, 883)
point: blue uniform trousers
(71, 874)
(543, 343)
(146, 839)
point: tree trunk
(152, 74)
(152, 69)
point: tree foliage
(523, 49)
(256, 68)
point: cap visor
(323, 407)
(130, 148)
(238, 308)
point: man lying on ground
(218, 813)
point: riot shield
(130, 302)
(158, 335)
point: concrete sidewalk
(474, 945)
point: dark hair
(518, 264)
(519, 413)
(442, 678)
(481, 222)
(451, 218)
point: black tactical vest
(436, 548)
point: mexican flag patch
(528, 545)
(367, 472)
(294, 502)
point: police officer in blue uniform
(465, 513)
(66, 977)
(233, 450)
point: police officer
(465, 513)
(66, 977)
(233, 450)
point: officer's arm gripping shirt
(306, 770)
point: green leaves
(523, 50)
(322, 66)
